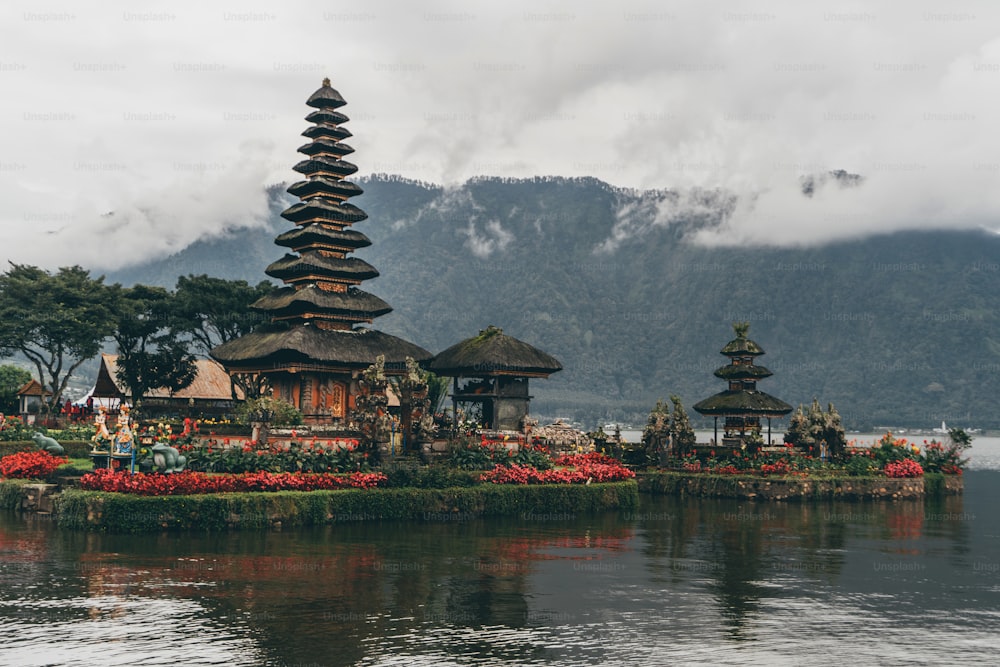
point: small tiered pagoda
(742, 405)
(491, 372)
(314, 349)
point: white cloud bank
(175, 116)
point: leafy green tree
(681, 433)
(437, 391)
(214, 311)
(58, 321)
(150, 354)
(959, 438)
(12, 378)
(269, 409)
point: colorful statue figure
(102, 439)
(123, 435)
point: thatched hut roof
(211, 383)
(277, 347)
(492, 352)
(742, 402)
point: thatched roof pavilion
(742, 404)
(316, 346)
(494, 369)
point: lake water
(675, 583)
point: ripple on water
(121, 631)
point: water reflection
(675, 578)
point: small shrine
(314, 350)
(491, 372)
(742, 405)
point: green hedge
(934, 483)
(11, 492)
(115, 512)
(76, 449)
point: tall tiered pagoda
(742, 404)
(314, 349)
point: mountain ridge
(894, 328)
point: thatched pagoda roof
(320, 235)
(318, 209)
(326, 97)
(742, 402)
(325, 146)
(292, 267)
(321, 164)
(330, 120)
(741, 346)
(319, 186)
(288, 302)
(326, 131)
(742, 372)
(311, 347)
(493, 352)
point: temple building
(210, 394)
(491, 372)
(742, 405)
(315, 347)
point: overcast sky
(174, 115)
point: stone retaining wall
(795, 488)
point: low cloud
(494, 238)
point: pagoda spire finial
(741, 329)
(326, 82)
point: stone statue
(167, 458)
(47, 444)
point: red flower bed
(191, 483)
(30, 465)
(582, 473)
(586, 459)
(903, 468)
(776, 468)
